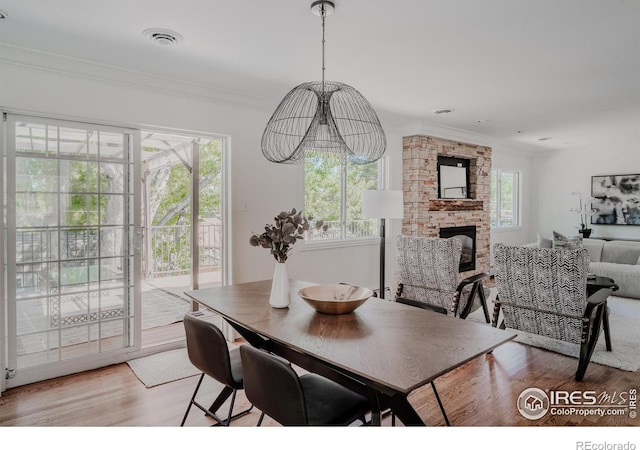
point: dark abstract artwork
(616, 199)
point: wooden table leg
(404, 411)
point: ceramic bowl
(335, 298)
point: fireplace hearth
(466, 235)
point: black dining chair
(209, 353)
(273, 386)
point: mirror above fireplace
(453, 177)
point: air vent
(444, 111)
(3, 15)
(162, 37)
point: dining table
(384, 350)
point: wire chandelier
(325, 119)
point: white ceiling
(517, 70)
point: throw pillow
(544, 242)
(567, 243)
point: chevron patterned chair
(428, 277)
(544, 291)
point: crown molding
(456, 134)
(53, 63)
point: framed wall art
(616, 199)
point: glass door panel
(182, 216)
(70, 252)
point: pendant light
(325, 119)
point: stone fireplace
(467, 236)
(426, 213)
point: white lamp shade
(381, 204)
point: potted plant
(280, 237)
(585, 212)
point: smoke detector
(162, 37)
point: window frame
(344, 241)
(517, 200)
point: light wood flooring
(482, 392)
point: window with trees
(505, 198)
(333, 194)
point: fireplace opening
(467, 235)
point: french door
(72, 248)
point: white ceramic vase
(280, 291)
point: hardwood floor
(483, 392)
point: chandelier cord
(323, 14)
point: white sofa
(616, 259)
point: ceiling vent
(3, 15)
(444, 111)
(162, 37)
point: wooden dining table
(384, 350)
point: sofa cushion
(621, 252)
(567, 243)
(544, 242)
(626, 276)
(594, 247)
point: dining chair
(543, 291)
(274, 387)
(429, 277)
(209, 353)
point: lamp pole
(382, 260)
(382, 204)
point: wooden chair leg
(605, 326)
(469, 303)
(483, 302)
(590, 334)
(496, 314)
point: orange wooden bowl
(335, 298)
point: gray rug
(624, 321)
(163, 367)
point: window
(505, 198)
(333, 194)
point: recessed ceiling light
(3, 15)
(444, 111)
(162, 37)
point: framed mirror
(453, 177)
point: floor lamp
(381, 204)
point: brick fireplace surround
(425, 213)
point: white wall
(563, 172)
(259, 189)
(507, 159)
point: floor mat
(163, 367)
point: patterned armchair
(544, 291)
(428, 277)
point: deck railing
(169, 246)
(354, 229)
(171, 250)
